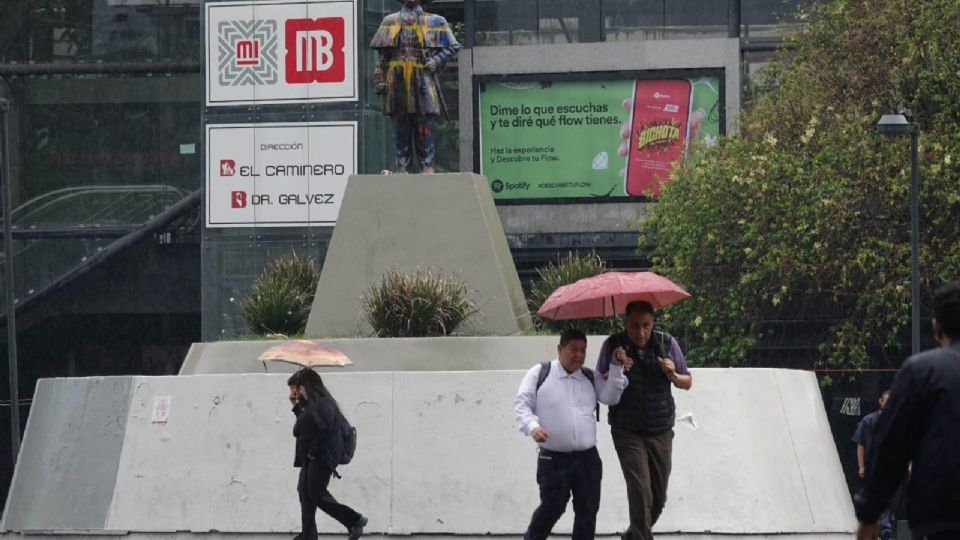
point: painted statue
(413, 45)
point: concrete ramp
(438, 455)
(449, 353)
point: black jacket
(313, 430)
(920, 424)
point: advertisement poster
(278, 175)
(542, 140)
(277, 51)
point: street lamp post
(5, 194)
(897, 124)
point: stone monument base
(409, 222)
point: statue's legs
(412, 132)
(426, 150)
(403, 140)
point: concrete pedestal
(406, 222)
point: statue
(413, 46)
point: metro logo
(248, 52)
(238, 199)
(228, 167)
(315, 50)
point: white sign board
(281, 51)
(278, 174)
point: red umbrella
(608, 294)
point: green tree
(805, 214)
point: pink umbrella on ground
(608, 294)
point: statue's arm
(442, 55)
(446, 53)
(379, 81)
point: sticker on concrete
(161, 409)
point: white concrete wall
(438, 453)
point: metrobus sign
(281, 51)
(278, 174)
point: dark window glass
(42, 31)
(506, 22)
(633, 14)
(94, 152)
(569, 21)
(765, 19)
(635, 20)
(768, 12)
(695, 13)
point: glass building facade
(114, 271)
(524, 22)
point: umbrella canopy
(608, 294)
(305, 353)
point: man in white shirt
(559, 412)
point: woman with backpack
(316, 433)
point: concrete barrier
(438, 454)
(394, 354)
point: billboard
(281, 51)
(578, 139)
(278, 174)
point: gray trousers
(645, 461)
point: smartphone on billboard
(658, 133)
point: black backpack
(342, 442)
(347, 441)
(545, 370)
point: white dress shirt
(565, 405)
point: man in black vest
(642, 422)
(919, 427)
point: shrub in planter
(281, 297)
(573, 267)
(426, 303)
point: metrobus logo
(228, 167)
(315, 50)
(248, 52)
(238, 199)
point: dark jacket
(646, 406)
(315, 420)
(920, 424)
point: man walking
(556, 406)
(863, 438)
(919, 426)
(642, 421)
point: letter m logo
(315, 50)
